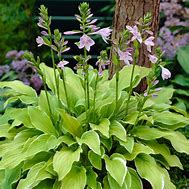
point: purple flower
(153, 58)
(149, 43)
(36, 82)
(165, 73)
(40, 41)
(86, 41)
(105, 33)
(135, 32)
(18, 65)
(11, 54)
(20, 54)
(125, 56)
(102, 66)
(44, 33)
(62, 63)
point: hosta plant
(85, 131)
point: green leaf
(54, 104)
(149, 170)
(149, 133)
(125, 75)
(163, 97)
(170, 120)
(35, 175)
(65, 155)
(128, 145)
(118, 130)
(75, 179)
(92, 140)
(181, 80)
(116, 167)
(182, 57)
(136, 182)
(103, 127)
(95, 160)
(168, 183)
(41, 121)
(11, 176)
(163, 150)
(19, 87)
(22, 116)
(179, 142)
(91, 178)
(70, 123)
(138, 149)
(63, 161)
(42, 143)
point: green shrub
(85, 131)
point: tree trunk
(129, 11)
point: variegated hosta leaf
(24, 150)
(41, 121)
(92, 140)
(177, 139)
(103, 127)
(170, 120)
(35, 175)
(116, 129)
(95, 160)
(149, 170)
(75, 179)
(63, 161)
(70, 123)
(116, 167)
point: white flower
(165, 73)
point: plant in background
(17, 21)
(174, 30)
(85, 131)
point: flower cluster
(55, 41)
(138, 38)
(175, 14)
(21, 70)
(88, 28)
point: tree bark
(129, 11)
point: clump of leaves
(85, 131)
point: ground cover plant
(85, 131)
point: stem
(65, 89)
(54, 66)
(117, 85)
(87, 79)
(48, 102)
(131, 82)
(96, 82)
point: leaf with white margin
(75, 179)
(116, 167)
(136, 182)
(92, 140)
(103, 127)
(63, 161)
(118, 130)
(149, 170)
